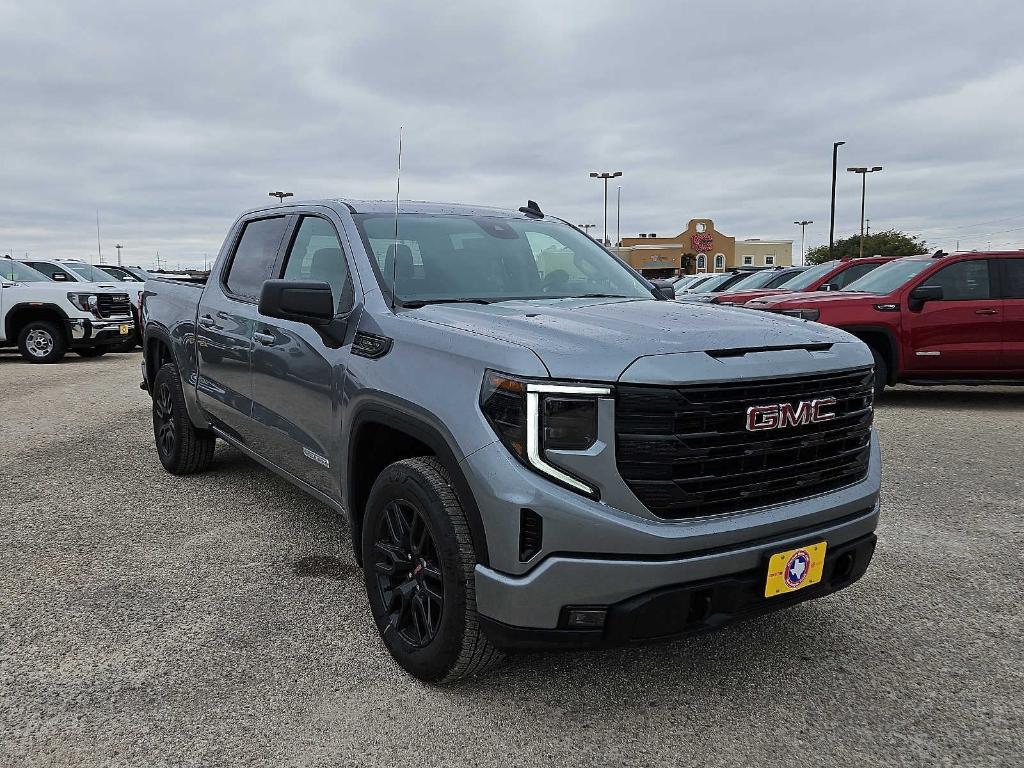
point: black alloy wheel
(163, 419)
(408, 573)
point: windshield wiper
(599, 296)
(416, 304)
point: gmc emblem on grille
(784, 415)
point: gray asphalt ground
(149, 620)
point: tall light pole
(618, 217)
(863, 171)
(281, 195)
(119, 247)
(586, 228)
(803, 231)
(832, 222)
(606, 175)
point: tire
(881, 372)
(417, 548)
(182, 448)
(91, 351)
(42, 341)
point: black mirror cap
(925, 293)
(305, 301)
(664, 289)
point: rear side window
(855, 272)
(963, 281)
(253, 263)
(316, 255)
(1013, 285)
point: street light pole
(803, 230)
(863, 171)
(586, 228)
(281, 195)
(119, 247)
(832, 224)
(618, 217)
(605, 175)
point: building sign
(702, 242)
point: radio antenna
(398, 196)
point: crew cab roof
(406, 206)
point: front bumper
(98, 332)
(688, 608)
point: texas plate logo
(797, 568)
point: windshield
(808, 277)
(21, 273)
(681, 289)
(120, 274)
(88, 272)
(757, 280)
(714, 284)
(888, 277)
(442, 257)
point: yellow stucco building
(701, 248)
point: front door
(297, 376)
(224, 329)
(960, 334)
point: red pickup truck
(938, 319)
(829, 276)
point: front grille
(111, 304)
(685, 451)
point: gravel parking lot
(220, 619)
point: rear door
(297, 376)
(1013, 314)
(961, 334)
(227, 312)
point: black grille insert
(685, 451)
(111, 304)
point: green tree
(888, 243)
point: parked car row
(50, 307)
(930, 319)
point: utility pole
(281, 195)
(119, 247)
(618, 217)
(99, 250)
(868, 227)
(832, 222)
(863, 171)
(605, 175)
(803, 230)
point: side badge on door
(316, 457)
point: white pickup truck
(44, 318)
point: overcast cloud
(171, 118)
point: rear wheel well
(157, 353)
(375, 447)
(19, 317)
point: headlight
(87, 302)
(803, 314)
(530, 417)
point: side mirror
(59, 277)
(924, 293)
(304, 301)
(828, 287)
(664, 289)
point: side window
(254, 257)
(1013, 284)
(855, 272)
(316, 255)
(963, 281)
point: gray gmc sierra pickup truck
(534, 448)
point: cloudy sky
(172, 117)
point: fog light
(586, 618)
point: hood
(819, 299)
(750, 294)
(597, 339)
